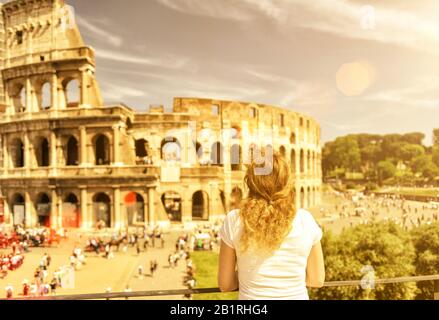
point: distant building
(69, 160)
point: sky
(355, 66)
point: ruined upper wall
(38, 26)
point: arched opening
(102, 150)
(302, 161)
(217, 153)
(200, 206)
(19, 99)
(46, 96)
(102, 209)
(141, 148)
(135, 206)
(199, 150)
(309, 197)
(302, 198)
(293, 161)
(142, 153)
(170, 149)
(254, 153)
(18, 210)
(72, 93)
(70, 212)
(313, 163)
(172, 203)
(309, 162)
(236, 198)
(42, 152)
(314, 196)
(283, 151)
(293, 138)
(72, 152)
(235, 132)
(17, 153)
(43, 210)
(236, 157)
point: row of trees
(402, 158)
(382, 250)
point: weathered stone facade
(67, 159)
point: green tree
(384, 246)
(426, 242)
(347, 153)
(414, 138)
(435, 155)
(425, 166)
(436, 137)
(386, 170)
(410, 151)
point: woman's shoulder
(305, 216)
(233, 216)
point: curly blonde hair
(269, 211)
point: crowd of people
(11, 262)
(31, 237)
(368, 208)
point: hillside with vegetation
(392, 159)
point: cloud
(222, 9)
(98, 32)
(116, 92)
(423, 94)
(339, 17)
(169, 62)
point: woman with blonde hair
(270, 250)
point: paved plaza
(99, 273)
(121, 272)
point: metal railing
(161, 293)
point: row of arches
(42, 206)
(71, 216)
(39, 97)
(41, 151)
(171, 149)
(172, 202)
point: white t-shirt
(282, 275)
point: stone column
(29, 106)
(53, 152)
(53, 210)
(84, 88)
(27, 153)
(8, 101)
(151, 208)
(83, 146)
(7, 211)
(145, 208)
(85, 220)
(60, 212)
(116, 145)
(27, 210)
(54, 93)
(5, 153)
(118, 223)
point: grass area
(206, 264)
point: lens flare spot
(353, 79)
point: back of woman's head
(270, 208)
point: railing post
(436, 290)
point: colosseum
(68, 159)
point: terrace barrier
(160, 293)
